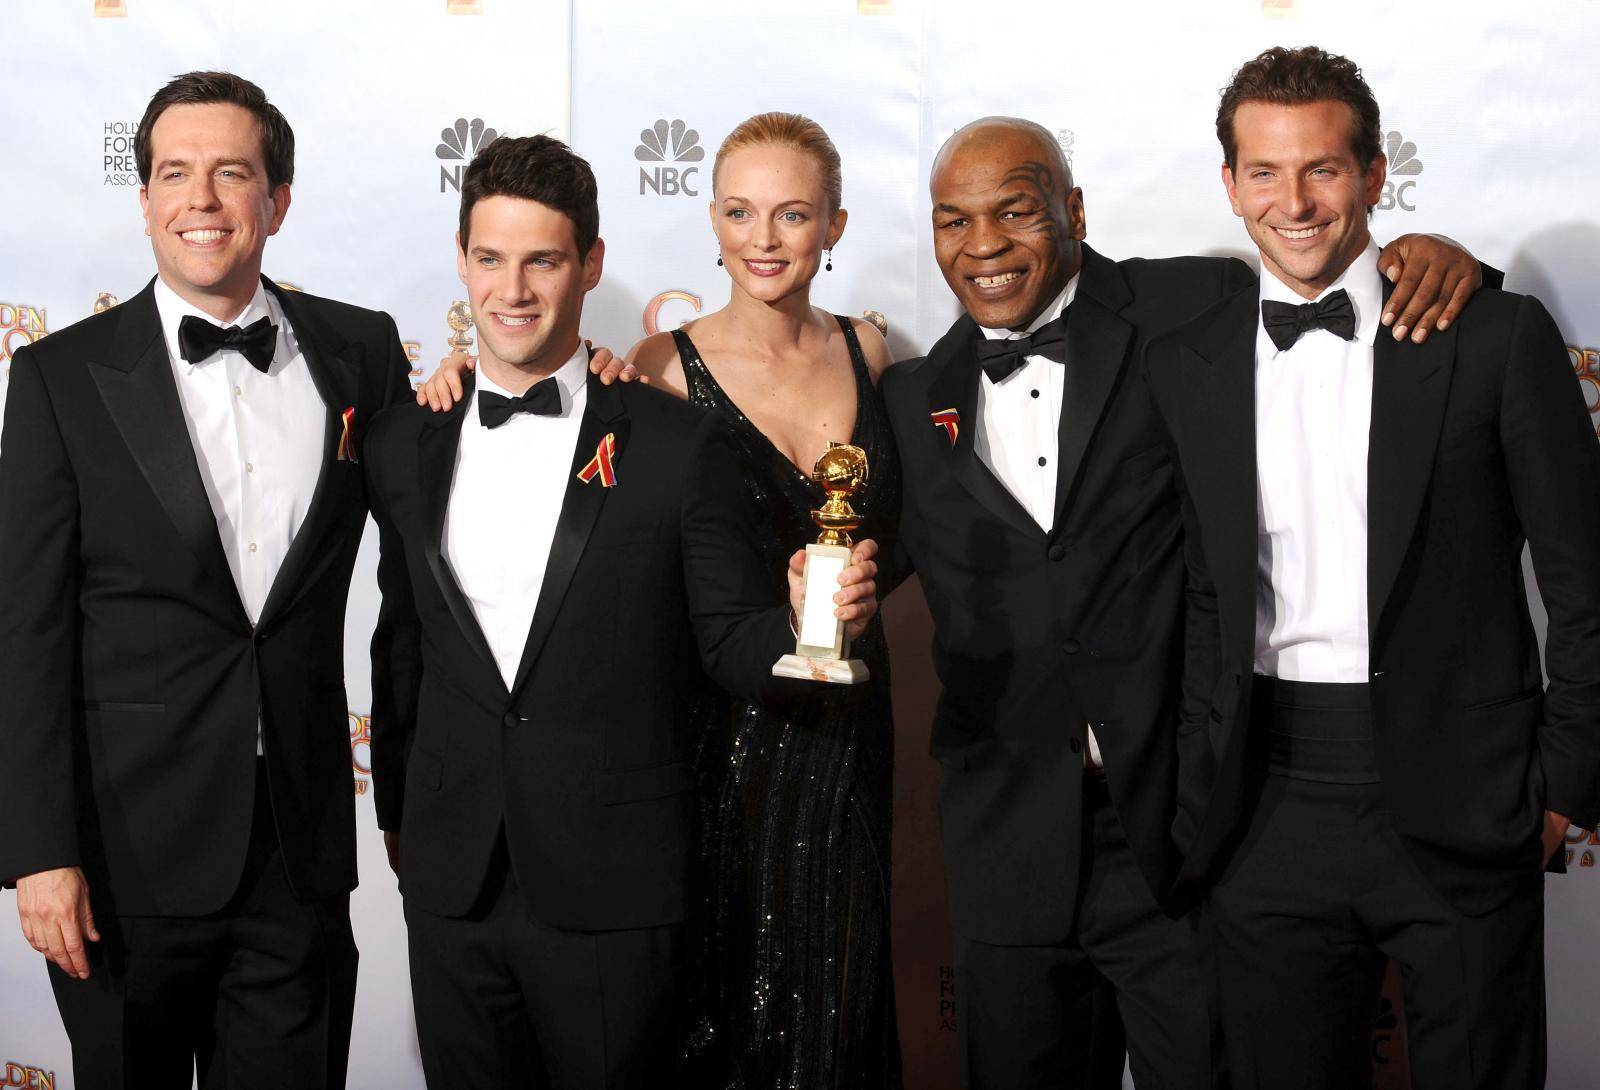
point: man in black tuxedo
(180, 508)
(576, 552)
(1042, 517)
(1380, 770)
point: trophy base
(837, 671)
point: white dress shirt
(1018, 437)
(1313, 413)
(1019, 420)
(257, 439)
(505, 499)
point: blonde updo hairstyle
(788, 131)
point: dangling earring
(719, 261)
(829, 265)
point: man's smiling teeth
(1301, 232)
(995, 281)
(208, 235)
(509, 320)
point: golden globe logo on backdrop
(20, 326)
(27, 1077)
(673, 300)
(361, 750)
(1586, 365)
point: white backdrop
(1492, 122)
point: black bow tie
(543, 398)
(199, 340)
(1285, 322)
(1001, 357)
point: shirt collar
(571, 379)
(1360, 280)
(1049, 314)
(173, 308)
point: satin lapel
(1410, 384)
(141, 395)
(956, 387)
(580, 507)
(437, 444)
(1219, 423)
(1097, 348)
(335, 367)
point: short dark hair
(534, 168)
(203, 88)
(1294, 77)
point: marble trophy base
(838, 671)
(822, 649)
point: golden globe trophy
(459, 319)
(822, 648)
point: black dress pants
(1318, 897)
(503, 1000)
(1035, 1016)
(258, 994)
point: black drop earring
(719, 260)
(829, 265)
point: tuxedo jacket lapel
(437, 443)
(1219, 418)
(1410, 384)
(335, 367)
(1097, 346)
(580, 508)
(955, 386)
(136, 384)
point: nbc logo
(459, 143)
(1403, 163)
(668, 142)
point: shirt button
(1035, 393)
(252, 546)
(249, 467)
(1070, 647)
(238, 392)
(1043, 459)
(1057, 552)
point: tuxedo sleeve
(740, 630)
(396, 650)
(1553, 465)
(39, 581)
(1202, 636)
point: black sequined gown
(790, 970)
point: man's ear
(593, 264)
(1232, 187)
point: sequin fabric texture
(789, 970)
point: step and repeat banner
(1491, 126)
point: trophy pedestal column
(821, 651)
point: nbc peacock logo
(1404, 166)
(669, 142)
(458, 143)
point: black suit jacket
(585, 762)
(132, 678)
(1037, 635)
(1479, 442)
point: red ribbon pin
(347, 440)
(949, 420)
(600, 465)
